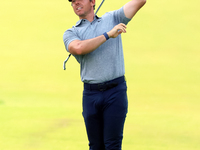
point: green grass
(40, 104)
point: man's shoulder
(70, 30)
(69, 33)
(113, 12)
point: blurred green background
(40, 103)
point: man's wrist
(106, 36)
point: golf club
(64, 64)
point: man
(96, 44)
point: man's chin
(80, 15)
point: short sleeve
(120, 17)
(68, 37)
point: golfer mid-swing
(96, 44)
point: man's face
(82, 7)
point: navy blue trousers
(104, 111)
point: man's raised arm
(132, 7)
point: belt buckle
(102, 87)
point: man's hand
(117, 30)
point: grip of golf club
(64, 64)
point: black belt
(105, 85)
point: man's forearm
(86, 46)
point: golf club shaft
(64, 64)
(99, 7)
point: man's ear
(93, 1)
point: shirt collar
(81, 20)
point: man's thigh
(93, 119)
(114, 117)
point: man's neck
(89, 17)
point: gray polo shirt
(107, 61)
